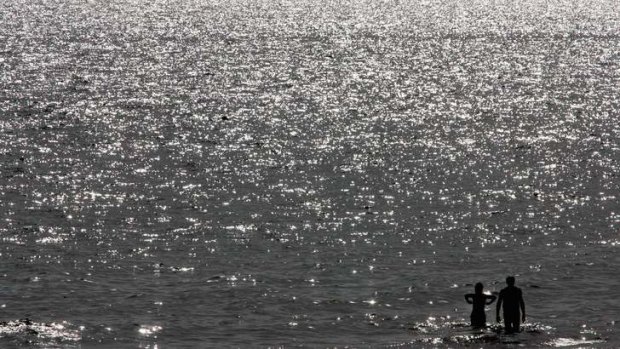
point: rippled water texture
(253, 173)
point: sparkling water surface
(307, 173)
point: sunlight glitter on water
(149, 330)
(221, 159)
(571, 342)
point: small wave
(571, 342)
(442, 331)
(26, 330)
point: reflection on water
(220, 170)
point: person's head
(478, 287)
(510, 281)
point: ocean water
(307, 173)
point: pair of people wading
(510, 297)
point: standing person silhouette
(479, 300)
(512, 299)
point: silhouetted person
(514, 306)
(479, 300)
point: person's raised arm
(522, 305)
(490, 299)
(499, 306)
(469, 298)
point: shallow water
(199, 173)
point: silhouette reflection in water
(511, 298)
(479, 301)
